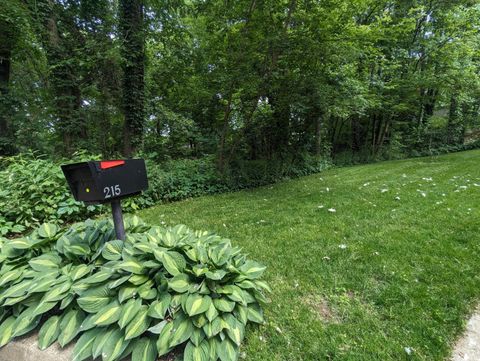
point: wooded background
(261, 80)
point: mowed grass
(390, 272)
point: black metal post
(118, 219)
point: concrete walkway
(467, 347)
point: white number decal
(112, 191)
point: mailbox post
(109, 181)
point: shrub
(33, 190)
(161, 289)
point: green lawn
(390, 275)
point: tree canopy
(244, 79)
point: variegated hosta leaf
(126, 292)
(182, 330)
(47, 230)
(101, 340)
(197, 304)
(179, 283)
(49, 332)
(118, 282)
(223, 305)
(129, 311)
(255, 313)
(6, 330)
(131, 266)
(25, 322)
(108, 314)
(139, 324)
(11, 276)
(99, 276)
(196, 352)
(84, 345)
(158, 308)
(144, 350)
(70, 326)
(164, 339)
(115, 346)
(227, 350)
(94, 299)
(113, 250)
(45, 262)
(80, 271)
(20, 243)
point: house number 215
(112, 191)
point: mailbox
(106, 181)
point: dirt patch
(321, 308)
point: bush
(33, 190)
(162, 289)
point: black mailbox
(106, 181)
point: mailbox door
(122, 178)
(81, 183)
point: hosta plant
(162, 289)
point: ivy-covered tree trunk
(133, 53)
(5, 58)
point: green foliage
(33, 190)
(165, 287)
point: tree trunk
(133, 52)
(223, 137)
(5, 59)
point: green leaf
(223, 304)
(211, 313)
(84, 345)
(138, 325)
(182, 330)
(159, 308)
(47, 230)
(138, 280)
(6, 330)
(235, 329)
(100, 276)
(173, 262)
(57, 293)
(78, 272)
(108, 314)
(197, 304)
(216, 275)
(196, 353)
(197, 336)
(126, 292)
(227, 350)
(45, 262)
(129, 311)
(20, 243)
(101, 340)
(157, 329)
(164, 339)
(94, 299)
(144, 350)
(113, 250)
(213, 328)
(131, 266)
(44, 307)
(255, 313)
(11, 276)
(25, 322)
(116, 283)
(179, 283)
(70, 326)
(49, 332)
(115, 346)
